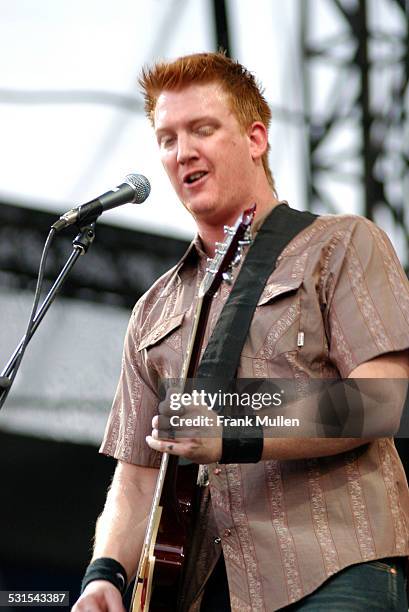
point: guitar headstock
(228, 253)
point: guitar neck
(195, 344)
(168, 462)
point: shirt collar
(195, 253)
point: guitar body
(163, 572)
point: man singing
(296, 524)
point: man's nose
(185, 149)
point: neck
(211, 232)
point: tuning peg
(228, 230)
(210, 265)
(236, 260)
(228, 277)
(221, 248)
(211, 270)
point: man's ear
(258, 138)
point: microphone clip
(85, 238)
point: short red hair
(245, 94)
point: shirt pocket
(161, 347)
(276, 326)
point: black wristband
(242, 445)
(108, 569)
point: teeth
(195, 176)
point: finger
(173, 401)
(175, 388)
(161, 434)
(171, 405)
(163, 446)
(161, 421)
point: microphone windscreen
(141, 185)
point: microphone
(135, 189)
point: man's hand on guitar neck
(187, 430)
(99, 596)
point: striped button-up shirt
(284, 526)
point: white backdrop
(71, 119)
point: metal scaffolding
(221, 26)
(358, 134)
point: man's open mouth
(195, 176)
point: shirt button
(217, 540)
(226, 533)
(217, 471)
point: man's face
(206, 154)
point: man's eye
(166, 141)
(205, 130)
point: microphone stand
(81, 244)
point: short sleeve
(367, 311)
(134, 405)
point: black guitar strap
(222, 355)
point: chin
(198, 208)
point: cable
(4, 393)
